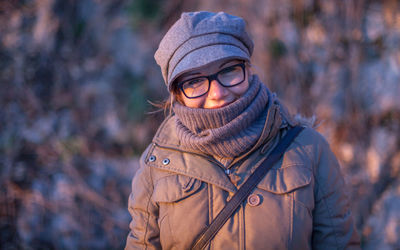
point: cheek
(193, 103)
(240, 89)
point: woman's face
(217, 96)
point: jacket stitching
(151, 150)
(307, 152)
(242, 241)
(161, 128)
(172, 231)
(152, 164)
(329, 209)
(186, 192)
(188, 184)
(330, 213)
(290, 165)
(210, 206)
(210, 203)
(318, 186)
(302, 204)
(147, 210)
(290, 219)
(202, 178)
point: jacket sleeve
(144, 230)
(333, 225)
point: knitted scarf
(231, 130)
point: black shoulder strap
(208, 233)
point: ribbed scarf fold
(228, 131)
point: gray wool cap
(199, 38)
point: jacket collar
(170, 156)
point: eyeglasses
(227, 77)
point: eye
(194, 83)
(233, 70)
(228, 70)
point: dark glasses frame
(214, 77)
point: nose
(217, 91)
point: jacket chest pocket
(183, 207)
(174, 188)
(291, 180)
(284, 207)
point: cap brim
(205, 55)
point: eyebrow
(197, 73)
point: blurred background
(76, 78)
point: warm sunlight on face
(193, 86)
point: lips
(220, 105)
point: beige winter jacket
(300, 204)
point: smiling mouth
(221, 105)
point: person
(224, 123)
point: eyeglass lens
(227, 77)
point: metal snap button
(254, 200)
(165, 161)
(152, 158)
